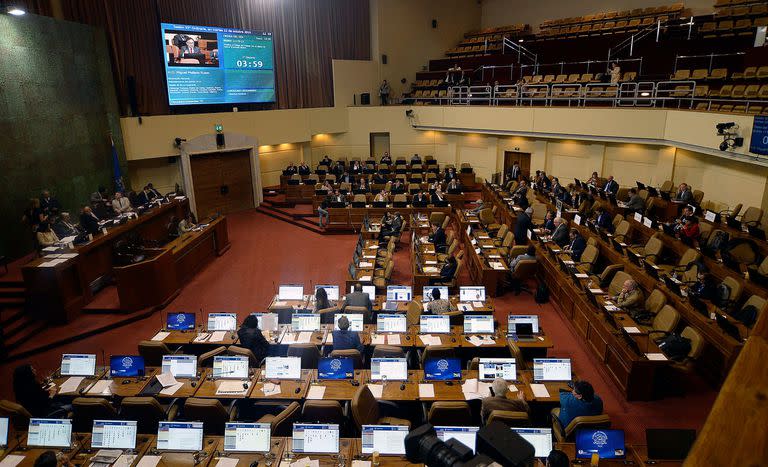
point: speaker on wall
(220, 143)
(434, 24)
(365, 98)
(384, 59)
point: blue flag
(117, 171)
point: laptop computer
(608, 444)
(727, 326)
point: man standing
(384, 93)
(522, 226)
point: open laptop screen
(76, 364)
(290, 292)
(180, 436)
(472, 294)
(331, 290)
(49, 432)
(126, 366)
(466, 435)
(384, 439)
(222, 321)
(552, 369)
(491, 368)
(315, 438)
(114, 434)
(540, 438)
(247, 437)
(609, 444)
(180, 321)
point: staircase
(15, 325)
(279, 210)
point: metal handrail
(482, 69)
(710, 56)
(631, 40)
(583, 62)
(522, 52)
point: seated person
(437, 196)
(498, 400)
(546, 183)
(88, 221)
(704, 288)
(345, 178)
(251, 338)
(611, 186)
(337, 197)
(549, 222)
(356, 168)
(397, 187)
(635, 203)
(363, 185)
(380, 178)
(64, 226)
(520, 193)
(683, 195)
(344, 339)
(603, 219)
(420, 199)
(290, 170)
(446, 272)
(120, 204)
(577, 245)
(46, 236)
(433, 187)
(679, 222)
(155, 194)
(386, 159)
(557, 458)
(454, 187)
(530, 253)
(689, 232)
(415, 159)
(392, 227)
(146, 196)
(560, 235)
(326, 161)
(630, 298)
(327, 187)
(438, 237)
(304, 169)
(186, 224)
(381, 197)
(357, 298)
(450, 174)
(438, 305)
(49, 204)
(321, 300)
(581, 401)
(594, 180)
(31, 393)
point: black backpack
(675, 347)
(746, 315)
(722, 296)
(542, 293)
(719, 242)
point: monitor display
(230, 367)
(3, 431)
(331, 290)
(216, 65)
(267, 321)
(478, 324)
(114, 434)
(429, 324)
(305, 321)
(180, 436)
(180, 321)
(49, 432)
(427, 292)
(669, 443)
(390, 369)
(552, 369)
(356, 321)
(222, 321)
(391, 323)
(758, 143)
(609, 444)
(466, 435)
(384, 439)
(491, 368)
(335, 368)
(513, 320)
(77, 364)
(399, 293)
(290, 292)
(180, 366)
(540, 439)
(442, 369)
(283, 368)
(247, 437)
(369, 289)
(472, 293)
(315, 438)
(126, 366)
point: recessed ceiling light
(15, 11)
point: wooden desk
(346, 446)
(187, 458)
(338, 390)
(478, 265)
(640, 454)
(246, 459)
(352, 218)
(209, 387)
(58, 294)
(277, 304)
(384, 461)
(125, 387)
(143, 444)
(85, 384)
(289, 389)
(31, 454)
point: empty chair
(437, 351)
(443, 413)
(322, 411)
(87, 409)
(564, 434)
(652, 249)
(488, 220)
(212, 413)
(282, 423)
(308, 352)
(516, 352)
(681, 75)
(388, 351)
(354, 354)
(606, 276)
(206, 360)
(509, 418)
(18, 416)
(242, 351)
(655, 302)
(147, 411)
(153, 352)
(665, 321)
(733, 288)
(752, 216)
(365, 410)
(687, 258)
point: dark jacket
(358, 299)
(439, 238)
(343, 340)
(560, 235)
(253, 339)
(89, 223)
(522, 226)
(577, 245)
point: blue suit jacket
(570, 407)
(343, 340)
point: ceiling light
(15, 11)
(645, 94)
(519, 40)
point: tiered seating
(600, 24)
(486, 41)
(747, 85)
(735, 18)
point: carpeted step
(11, 302)
(11, 292)
(289, 219)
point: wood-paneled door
(222, 181)
(524, 158)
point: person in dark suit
(357, 298)
(577, 245)
(88, 221)
(251, 338)
(446, 272)
(392, 228)
(560, 234)
(386, 158)
(64, 226)
(397, 187)
(549, 222)
(304, 169)
(155, 194)
(454, 187)
(49, 204)
(420, 199)
(514, 172)
(30, 392)
(344, 339)
(611, 186)
(546, 183)
(437, 196)
(356, 168)
(415, 159)
(189, 48)
(603, 219)
(290, 170)
(379, 178)
(337, 169)
(145, 197)
(326, 161)
(635, 203)
(520, 193)
(438, 238)
(684, 194)
(346, 178)
(522, 226)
